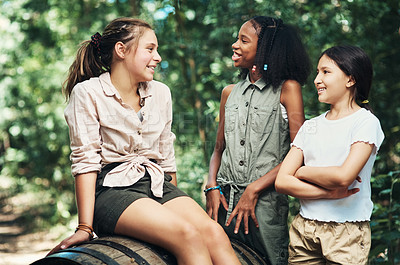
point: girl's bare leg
(212, 233)
(152, 222)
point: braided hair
(280, 53)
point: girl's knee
(188, 233)
(188, 245)
(214, 232)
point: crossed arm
(306, 182)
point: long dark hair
(354, 62)
(94, 56)
(279, 47)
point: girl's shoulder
(311, 124)
(317, 118)
(290, 84)
(157, 85)
(367, 128)
(227, 90)
(87, 87)
(366, 117)
(158, 90)
(367, 114)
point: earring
(265, 67)
(253, 70)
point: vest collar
(260, 84)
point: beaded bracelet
(214, 188)
(87, 228)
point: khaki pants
(315, 242)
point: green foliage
(192, 172)
(385, 224)
(39, 41)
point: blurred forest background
(38, 41)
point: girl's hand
(213, 200)
(79, 237)
(245, 208)
(345, 192)
(342, 193)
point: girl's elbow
(279, 189)
(345, 179)
(279, 186)
(345, 183)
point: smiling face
(332, 84)
(142, 61)
(245, 47)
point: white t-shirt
(327, 143)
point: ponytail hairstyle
(95, 56)
(354, 62)
(280, 53)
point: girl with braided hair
(122, 150)
(259, 117)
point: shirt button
(241, 163)
(242, 142)
(139, 132)
(246, 104)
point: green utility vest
(257, 139)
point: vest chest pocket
(263, 119)
(231, 116)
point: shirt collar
(108, 87)
(145, 91)
(110, 90)
(260, 84)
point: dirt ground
(19, 246)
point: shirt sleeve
(299, 138)
(82, 120)
(167, 138)
(369, 131)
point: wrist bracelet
(214, 188)
(87, 228)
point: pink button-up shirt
(104, 130)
